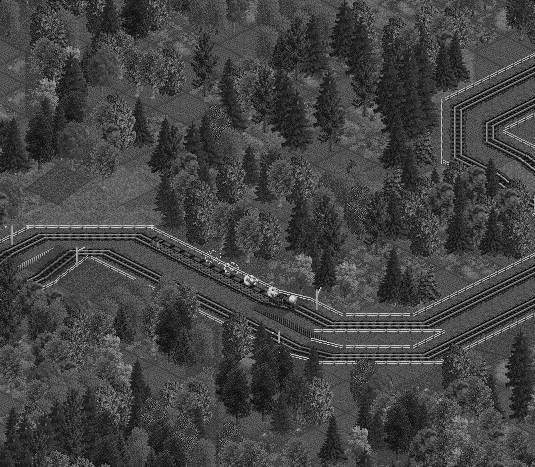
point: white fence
(61, 276)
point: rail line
(59, 263)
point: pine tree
(11, 438)
(492, 183)
(281, 420)
(263, 95)
(13, 157)
(427, 287)
(332, 451)
(250, 167)
(224, 367)
(315, 52)
(396, 150)
(59, 124)
(72, 79)
(328, 113)
(285, 366)
(408, 291)
(235, 394)
(397, 429)
(414, 122)
(312, 367)
(264, 347)
(362, 67)
(395, 226)
(281, 56)
(140, 393)
(297, 235)
(230, 248)
(410, 176)
(109, 20)
(40, 135)
(143, 134)
(342, 31)
(236, 12)
(458, 235)
(426, 85)
(136, 18)
(444, 77)
(229, 96)
(490, 381)
(262, 191)
(208, 142)
(459, 70)
(491, 243)
(435, 177)
(325, 276)
(295, 39)
(123, 328)
(389, 93)
(295, 128)
(521, 378)
(167, 204)
(167, 149)
(204, 62)
(263, 388)
(389, 288)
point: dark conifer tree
(281, 57)
(312, 365)
(408, 291)
(229, 96)
(72, 79)
(459, 70)
(136, 18)
(250, 167)
(315, 53)
(365, 404)
(389, 93)
(329, 225)
(282, 97)
(225, 366)
(444, 77)
(167, 149)
(143, 134)
(414, 122)
(492, 183)
(262, 96)
(284, 365)
(389, 288)
(236, 12)
(123, 328)
(342, 31)
(521, 378)
(458, 234)
(490, 381)
(295, 39)
(192, 140)
(410, 176)
(208, 143)
(396, 150)
(167, 204)
(435, 176)
(40, 135)
(295, 128)
(204, 62)
(11, 438)
(236, 394)
(13, 157)
(59, 124)
(264, 348)
(325, 275)
(397, 429)
(491, 242)
(281, 420)
(264, 386)
(271, 236)
(426, 85)
(328, 111)
(362, 67)
(109, 19)
(140, 393)
(297, 235)
(262, 190)
(332, 451)
(230, 248)
(395, 215)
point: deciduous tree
(40, 135)
(199, 205)
(389, 288)
(249, 234)
(208, 14)
(136, 18)
(236, 392)
(173, 70)
(268, 14)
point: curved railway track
(179, 254)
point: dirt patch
(500, 372)
(501, 22)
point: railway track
(61, 262)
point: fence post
(11, 236)
(278, 337)
(76, 256)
